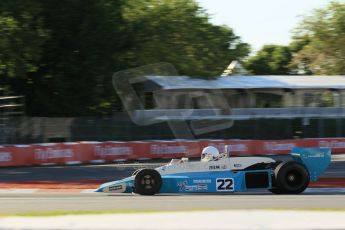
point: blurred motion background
(57, 58)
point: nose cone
(112, 188)
(99, 189)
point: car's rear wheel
(147, 182)
(290, 178)
(275, 191)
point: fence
(26, 130)
(10, 106)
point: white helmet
(210, 153)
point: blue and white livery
(220, 173)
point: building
(248, 91)
(229, 107)
(271, 107)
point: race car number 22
(225, 184)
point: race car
(220, 173)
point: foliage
(21, 35)
(179, 32)
(270, 60)
(77, 63)
(61, 54)
(320, 42)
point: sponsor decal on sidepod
(183, 186)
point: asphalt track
(21, 202)
(62, 202)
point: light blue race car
(220, 173)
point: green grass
(62, 213)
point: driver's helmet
(210, 153)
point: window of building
(268, 100)
(319, 99)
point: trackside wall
(115, 151)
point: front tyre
(135, 172)
(290, 178)
(147, 182)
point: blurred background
(57, 59)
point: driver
(210, 153)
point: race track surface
(110, 172)
(55, 202)
(22, 201)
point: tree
(319, 41)
(21, 37)
(61, 54)
(74, 78)
(179, 32)
(270, 60)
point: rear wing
(316, 160)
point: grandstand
(248, 96)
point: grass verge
(63, 213)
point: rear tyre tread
(281, 182)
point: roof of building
(250, 82)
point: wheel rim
(147, 182)
(294, 178)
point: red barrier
(236, 147)
(337, 144)
(276, 147)
(101, 152)
(79, 154)
(59, 153)
(16, 155)
(114, 151)
(241, 147)
(92, 151)
(172, 149)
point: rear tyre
(147, 182)
(290, 178)
(275, 191)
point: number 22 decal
(225, 184)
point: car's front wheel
(147, 182)
(135, 172)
